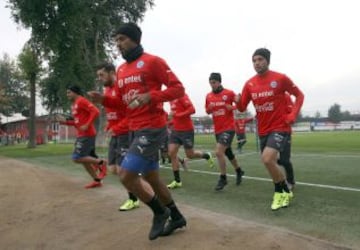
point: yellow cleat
(174, 184)
(129, 205)
(277, 201)
(210, 161)
(286, 199)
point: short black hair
(107, 66)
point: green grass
(320, 158)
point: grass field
(327, 196)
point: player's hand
(237, 98)
(84, 127)
(139, 100)
(229, 107)
(95, 96)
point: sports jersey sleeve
(189, 108)
(208, 109)
(244, 99)
(292, 89)
(93, 111)
(164, 75)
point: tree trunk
(32, 118)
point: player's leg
(284, 161)
(173, 151)
(84, 146)
(270, 146)
(238, 170)
(177, 220)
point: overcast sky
(316, 43)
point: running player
(182, 133)
(240, 125)
(139, 81)
(267, 91)
(219, 103)
(84, 114)
(117, 127)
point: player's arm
(93, 112)
(189, 109)
(292, 89)
(174, 88)
(243, 99)
(209, 107)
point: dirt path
(42, 209)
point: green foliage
(334, 113)
(13, 90)
(73, 37)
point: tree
(334, 113)
(30, 69)
(73, 37)
(13, 90)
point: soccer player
(84, 114)
(240, 124)
(267, 91)
(139, 81)
(117, 126)
(182, 133)
(219, 103)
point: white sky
(316, 43)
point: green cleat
(286, 199)
(277, 202)
(174, 184)
(129, 205)
(210, 161)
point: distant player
(240, 125)
(84, 114)
(219, 103)
(182, 134)
(267, 90)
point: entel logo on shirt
(129, 79)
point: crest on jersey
(225, 97)
(273, 84)
(140, 64)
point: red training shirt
(83, 112)
(223, 118)
(268, 95)
(146, 74)
(181, 110)
(240, 125)
(115, 116)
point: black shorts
(185, 138)
(275, 140)
(118, 147)
(84, 146)
(225, 138)
(146, 143)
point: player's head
(261, 60)
(105, 73)
(215, 81)
(127, 37)
(72, 92)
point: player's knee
(229, 154)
